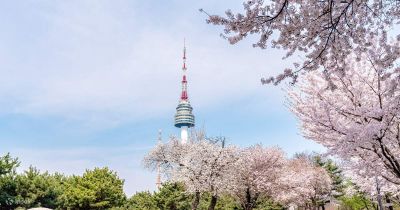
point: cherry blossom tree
(201, 165)
(323, 32)
(257, 173)
(304, 184)
(206, 166)
(356, 115)
(215, 166)
(333, 168)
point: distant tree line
(101, 188)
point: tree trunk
(248, 205)
(196, 201)
(378, 192)
(173, 206)
(388, 201)
(213, 202)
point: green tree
(357, 201)
(265, 203)
(142, 201)
(8, 194)
(172, 196)
(225, 202)
(334, 172)
(36, 189)
(100, 188)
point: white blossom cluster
(367, 180)
(303, 181)
(245, 173)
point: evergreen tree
(172, 196)
(334, 172)
(142, 201)
(96, 189)
(37, 189)
(8, 193)
(225, 202)
(357, 200)
(265, 203)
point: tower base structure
(184, 134)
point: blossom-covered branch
(323, 32)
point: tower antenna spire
(184, 95)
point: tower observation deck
(184, 117)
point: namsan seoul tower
(184, 118)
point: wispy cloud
(93, 63)
(76, 74)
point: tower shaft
(184, 134)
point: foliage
(172, 196)
(225, 202)
(266, 203)
(356, 202)
(139, 201)
(36, 189)
(8, 186)
(142, 200)
(8, 165)
(335, 173)
(96, 189)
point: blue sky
(89, 83)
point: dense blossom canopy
(358, 120)
(257, 173)
(303, 183)
(248, 174)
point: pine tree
(334, 172)
(172, 196)
(8, 193)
